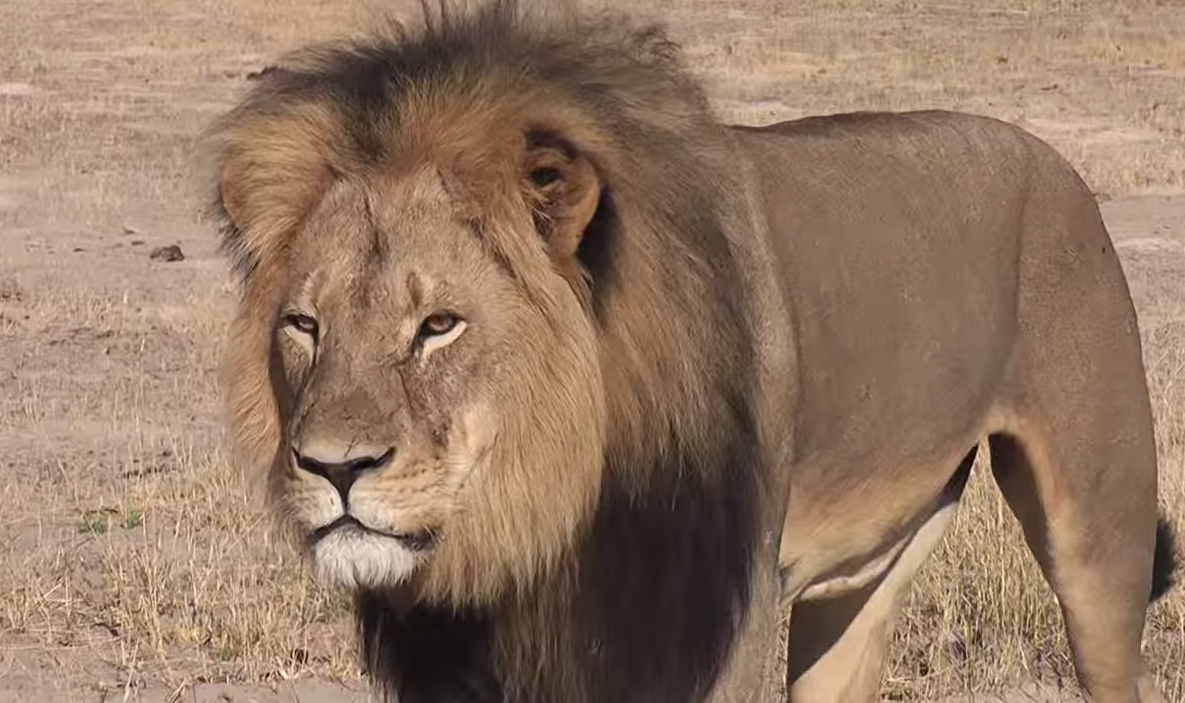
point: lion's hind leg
(1072, 443)
(1092, 531)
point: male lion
(580, 391)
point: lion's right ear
(564, 189)
(269, 171)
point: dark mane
(646, 606)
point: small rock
(127, 229)
(137, 242)
(171, 252)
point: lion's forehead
(388, 238)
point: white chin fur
(351, 560)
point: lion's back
(898, 240)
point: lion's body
(948, 279)
(695, 378)
(922, 259)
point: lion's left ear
(563, 188)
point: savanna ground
(133, 566)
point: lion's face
(420, 393)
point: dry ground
(133, 567)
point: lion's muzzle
(342, 467)
(355, 536)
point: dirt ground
(133, 564)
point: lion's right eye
(302, 323)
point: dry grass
(146, 549)
(133, 553)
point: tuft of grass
(94, 522)
(132, 518)
(100, 521)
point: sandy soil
(133, 566)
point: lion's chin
(353, 559)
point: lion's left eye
(437, 331)
(438, 324)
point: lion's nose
(342, 473)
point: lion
(583, 393)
